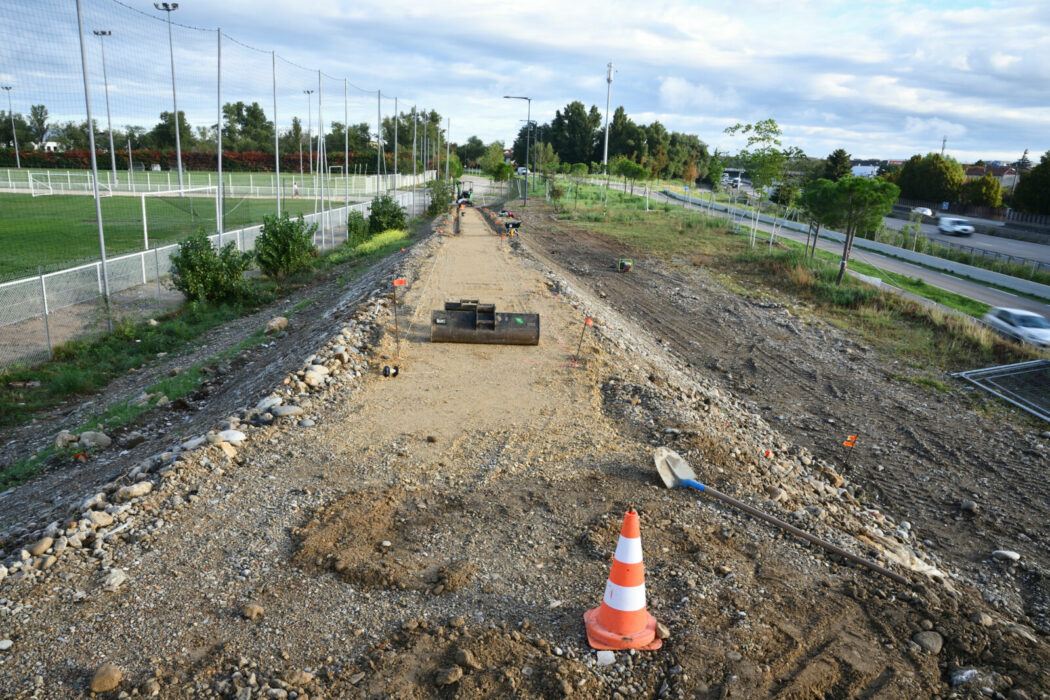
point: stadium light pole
(14, 134)
(528, 134)
(100, 33)
(309, 127)
(168, 8)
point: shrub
(203, 274)
(285, 245)
(356, 228)
(386, 214)
(440, 196)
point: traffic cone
(621, 621)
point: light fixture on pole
(528, 133)
(168, 8)
(14, 134)
(608, 96)
(100, 33)
(309, 127)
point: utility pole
(1017, 173)
(528, 135)
(944, 142)
(168, 8)
(608, 97)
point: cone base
(600, 638)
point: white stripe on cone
(629, 550)
(624, 598)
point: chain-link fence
(127, 130)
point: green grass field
(169, 180)
(60, 230)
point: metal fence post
(156, 264)
(43, 296)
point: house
(1005, 174)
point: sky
(882, 79)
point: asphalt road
(1007, 246)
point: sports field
(60, 230)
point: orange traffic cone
(621, 621)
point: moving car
(954, 226)
(922, 211)
(1020, 325)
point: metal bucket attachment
(512, 225)
(624, 265)
(467, 321)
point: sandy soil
(441, 532)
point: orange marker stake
(849, 442)
(400, 282)
(586, 322)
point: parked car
(1020, 325)
(922, 211)
(954, 227)
(523, 171)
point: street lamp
(169, 7)
(14, 134)
(528, 134)
(309, 126)
(105, 79)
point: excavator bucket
(467, 321)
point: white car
(523, 171)
(1020, 325)
(922, 211)
(954, 227)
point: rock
(432, 439)
(114, 580)
(276, 325)
(968, 507)
(193, 444)
(357, 678)
(964, 675)
(227, 449)
(94, 438)
(306, 423)
(93, 501)
(252, 611)
(269, 402)
(448, 676)
(64, 439)
(465, 658)
(1006, 555)
(298, 678)
(40, 546)
(106, 678)
(606, 658)
(100, 518)
(662, 632)
(929, 640)
(282, 411)
(3, 572)
(133, 439)
(277, 694)
(314, 379)
(6, 644)
(126, 493)
(234, 437)
(983, 619)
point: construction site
(442, 479)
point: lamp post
(528, 134)
(168, 8)
(14, 134)
(100, 33)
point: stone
(929, 640)
(133, 439)
(1006, 555)
(277, 694)
(448, 676)
(306, 423)
(268, 403)
(40, 546)
(282, 411)
(100, 518)
(983, 619)
(227, 449)
(93, 438)
(93, 501)
(276, 325)
(114, 580)
(662, 632)
(465, 658)
(314, 379)
(252, 611)
(6, 644)
(964, 675)
(357, 678)
(606, 658)
(127, 493)
(968, 507)
(193, 444)
(234, 437)
(64, 439)
(298, 678)
(3, 572)
(106, 678)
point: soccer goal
(172, 214)
(67, 182)
(40, 184)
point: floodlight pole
(528, 135)
(397, 118)
(218, 137)
(448, 143)
(100, 33)
(94, 169)
(14, 134)
(276, 137)
(346, 150)
(379, 135)
(414, 121)
(168, 8)
(309, 127)
(605, 154)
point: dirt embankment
(441, 532)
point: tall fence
(37, 313)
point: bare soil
(441, 532)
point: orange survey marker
(849, 442)
(621, 621)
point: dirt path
(440, 533)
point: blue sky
(881, 79)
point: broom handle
(794, 530)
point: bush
(440, 196)
(203, 274)
(285, 245)
(356, 228)
(386, 214)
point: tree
(455, 166)
(163, 134)
(245, 128)
(285, 245)
(837, 166)
(932, 178)
(574, 132)
(715, 167)
(857, 205)
(471, 152)
(985, 191)
(578, 172)
(625, 137)
(763, 157)
(21, 130)
(493, 158)
(1033, 191)
(72, 136)
(38, 125)
(820, 201)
